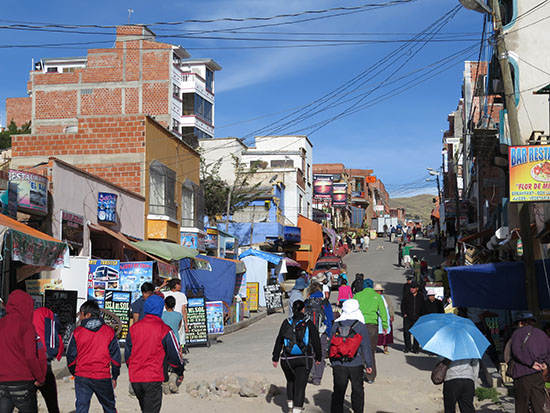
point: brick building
(139, 75)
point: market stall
(257, 263)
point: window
(194, 104)
(189, 132)
(175, 125)
(300, 201)
(162, 186)
(308, 179)
(209, 80)
(176, 90)
(52, 70)
(507, 11)
(188, 104)
(187, 205)
(286, 163)
(68, 69)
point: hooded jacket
(93, 351)
(47, 328)
(148, 342)
(23, 357)
(372, 306)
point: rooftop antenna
(130, 11)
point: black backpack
(296, 337)
(316, 312)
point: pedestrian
(344, 292)
(372, 306)
(530, 351)
(353, 244)
(350, 356)
(93, 358)
(319, 310)
(324, 281)
(147, 290)
(357, 284)
(459, 385)
(411, 307)
(366, 242)
(174, 320)
(24, 365)
(359, 242)
(406, 250)
(297, 293)
(432, 304)
(181, 306)
(416, 269)
(148, 343)
(400, 254)
(297, 345)
(407, 286)
(423, 266)
(387, 338)
(47, 328)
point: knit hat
(154, 305)
(368, 283)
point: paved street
(403, 383)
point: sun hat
(431, 291)
(378, 287)
(350, 311)
(301, 284)
(320, 278)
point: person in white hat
(385, 339)
(432, 304)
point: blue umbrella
(450, 336)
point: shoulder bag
(440, 371)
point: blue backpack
(296, 338)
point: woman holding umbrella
(459, 385)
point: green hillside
(419, 206)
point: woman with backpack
(298, 346)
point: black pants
(461, 391)
(149, 396)
(407, 324)
(22, 396)
(49, 391)
(529, 389)
(296, 372)
(85, 388)
(373, 337)
(341, 376)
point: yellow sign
(252, 297)
(529, 173)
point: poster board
(119, 303)
(63, 303)
(133, 274)
(252, 296)
(196, 321)
(102, 275)
(273, 297)
(214, 317)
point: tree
(12, 129)
(219, 196)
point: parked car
(333, 265)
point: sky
(356, 108)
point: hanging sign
(106, 208)
(529, 173)
(32, 192)
(196, 321)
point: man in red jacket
(47, 328)
(148, 342)
(93, 357)
(23, 364)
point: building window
(209, 80)
(52, 70)
(187, 205)
(175, 125)
(176, 90)
(286, 163)
(300, 201)
(189, 132)
(194, 104)
(188, 104)
(162, 186)
(308, 173)
(68, 69)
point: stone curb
(245, 323)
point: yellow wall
(163, 146)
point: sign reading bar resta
(529, 173)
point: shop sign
(102, 275)
(379, 207)
(133, 274)
(197, 322)
(358, 194)
(106, 208)
(292, 234)
(340, 194)
(529, 173)
(370, 179)
(8, 198)
(119, 302)
(72, 229)
(32, 192)
(190, 239)
(211, 240)
(322, 187)
(214, 317)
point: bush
(487, 393)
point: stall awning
(291, 263)
(497, 286)
(272, 258)
(240, 267)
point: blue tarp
(261, 232)
(272, 258)
(497, 286)
(218, 284)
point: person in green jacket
(372, 307)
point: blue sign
(292, 234)
(106, 208)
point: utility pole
(513, 123)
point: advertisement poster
(322, 187)
(211, 240)
(102, 275)
(8, 199)
(197, 321)
(214, 317)
(32, 192)
(106, 208)
(118, 302)
(63, 304)
(252, 297)
(190, 239)
(72, 229)
(529, 173)
(133, 274)
(340, 194)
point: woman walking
(296, 345)
(385, 339)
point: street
(403, 383)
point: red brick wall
(55, 104)
(156, 98)
(19, 110)
(101, 102)
(126, 175)
(131, 100)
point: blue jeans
(103, 389)
(22, 396)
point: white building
(221, 153)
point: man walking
(93, 357)
(530, 350)
(148, 343)
(372, 306)
(181, 305)
(411, 307)
(23, 364)
(432, 305)
(147, 290)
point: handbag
(440, 371)
(512, 362)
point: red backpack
(345, 343)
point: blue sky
(398, 137)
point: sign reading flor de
(529, 173)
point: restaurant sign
(529, 173)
